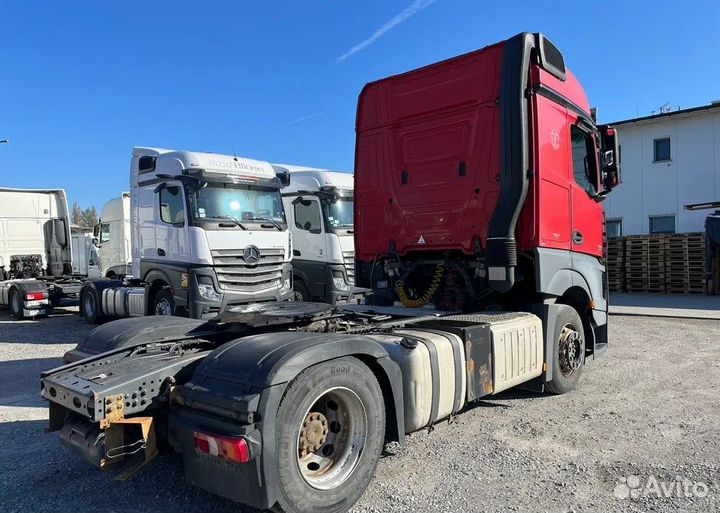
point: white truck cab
(207, 231)
(112, 237)
(319, 207)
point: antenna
(233, 150)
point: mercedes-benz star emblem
(251, 254)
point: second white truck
(207, 231)
(112, 237)
(319, 207)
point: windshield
(340, 213)
(230, 201)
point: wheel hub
(570, 350)
(313, 433)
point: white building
(667, 160)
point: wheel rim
(163, 307)
(570, 349)
(89, 305)
(331, 438)
(297, 296)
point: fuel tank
(433, 369)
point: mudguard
(133, 331)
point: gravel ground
(645, 415)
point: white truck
(319, 208)
(207, 231)
(112, 237)
(35, 251)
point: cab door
(171, 225)
(587, 236)
(309, 243)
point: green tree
(84, 218)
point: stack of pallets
(645, 263)
(685, 263)
(616, 264)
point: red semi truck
(478, 188)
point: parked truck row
(477, 190)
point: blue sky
(84, 81)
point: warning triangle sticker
(421, 240)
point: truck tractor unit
(479, 183)
(478, 178)
(112, 237)
(206, 231)
(319, 208)
(36, 251)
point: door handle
(161, 252)
(577, 237)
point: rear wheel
(90, 306)
(16, 304)
(569, 354)
(330, 433)
(164, 303)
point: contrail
(298, 120)
(404, 15)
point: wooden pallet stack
(616, 264)
(685, 257)
(645, 263)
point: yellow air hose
(427, 296)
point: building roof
(712, 106)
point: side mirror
(96, 230)
(284, 178)
(609, 158)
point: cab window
(104, 232)
(584, 161)
(171, 205)
(307, 215)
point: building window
(662, 224)
(661, 151)
(614, 228)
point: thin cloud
(298, 120)
(404, 15)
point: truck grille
(235, 275)
(349, 262)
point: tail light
(226, 448)
(34, 296)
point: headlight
(339, 280)
(208, 292)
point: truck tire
(90, 306)
(324, 408)
(301, 291)
(16, 304)
(569, 354)
(163, 303)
